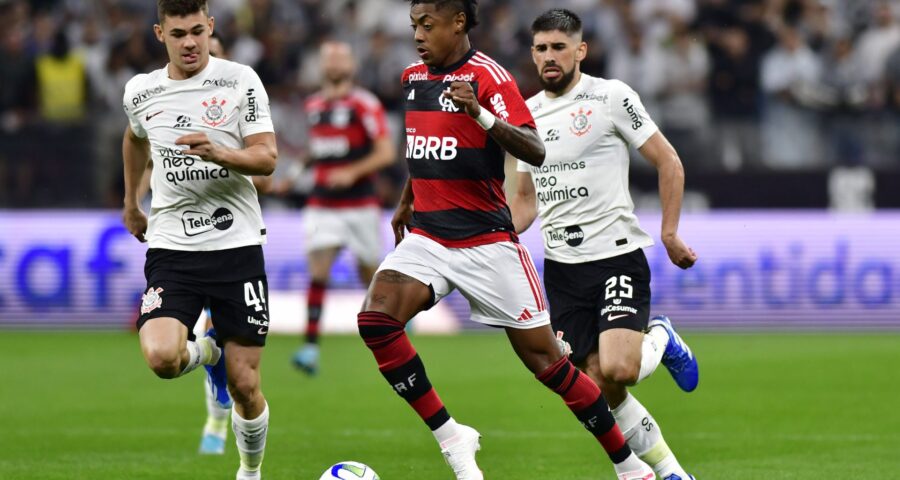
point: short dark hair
(561, 19)
(180, 8)
(468, 7)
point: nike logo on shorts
(616, 317)
(151, 115)
(262, 331)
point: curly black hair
(468, 7)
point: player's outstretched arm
(256, 158)
(521, 142)
(523, 205)
(658, 151)
(136, 156)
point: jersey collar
(451, 68)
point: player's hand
(199, 145)
(135, 221)
(679, 253)
(564, 346)
(341, 178)
(401, 219)
(463, 95)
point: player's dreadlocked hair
(180, 8)
(561, 19)
(468, 7)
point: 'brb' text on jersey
(456, 169)
(199, 205)
(343, 131)
(584, 204)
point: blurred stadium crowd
(739, 86)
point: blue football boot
(307, 359)
(675, 476)
(217, 377)
(678, 357)
(212, 444)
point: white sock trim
(194, 355)
(446, 433)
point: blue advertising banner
(758, 269)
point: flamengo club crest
(214, 114)
(581, 124)
(151, 300)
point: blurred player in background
(462, 111)
(595, 272)
(205, 122)
(349, 143)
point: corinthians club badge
(215, 113)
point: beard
(558, 84)
(336, 78)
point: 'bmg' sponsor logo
(196, 223)
(251, 106)
(636, 122)
(572, 236)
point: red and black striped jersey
(455, 167)
(343, 131)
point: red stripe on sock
(316, 294)
(612, 440)
(395, 353)
(583, 393)
(427, 405)
(550, 371)
(312, 328)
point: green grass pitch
(769, 406)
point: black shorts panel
(231, 282)
(588, 298)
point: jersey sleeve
(629, 116)
(256, 116)
(133, 120)
(504, 100)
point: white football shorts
(357, 228)
(499, 279)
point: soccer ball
(349, 471)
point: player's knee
(243, 388)
(619, 372)
(377, 328)
(165, 362)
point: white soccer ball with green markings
(349, 471)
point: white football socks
(645, 438)
(216, 416)
(652, 349)
(202, 352)
(630, 464)
(446, 433)
(251, 441)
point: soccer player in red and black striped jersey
(349, 143)
(463, 110)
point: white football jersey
(582, 188)
(199, 205)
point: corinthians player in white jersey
(204, 123)
(595, 273)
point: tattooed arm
(521, 142)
